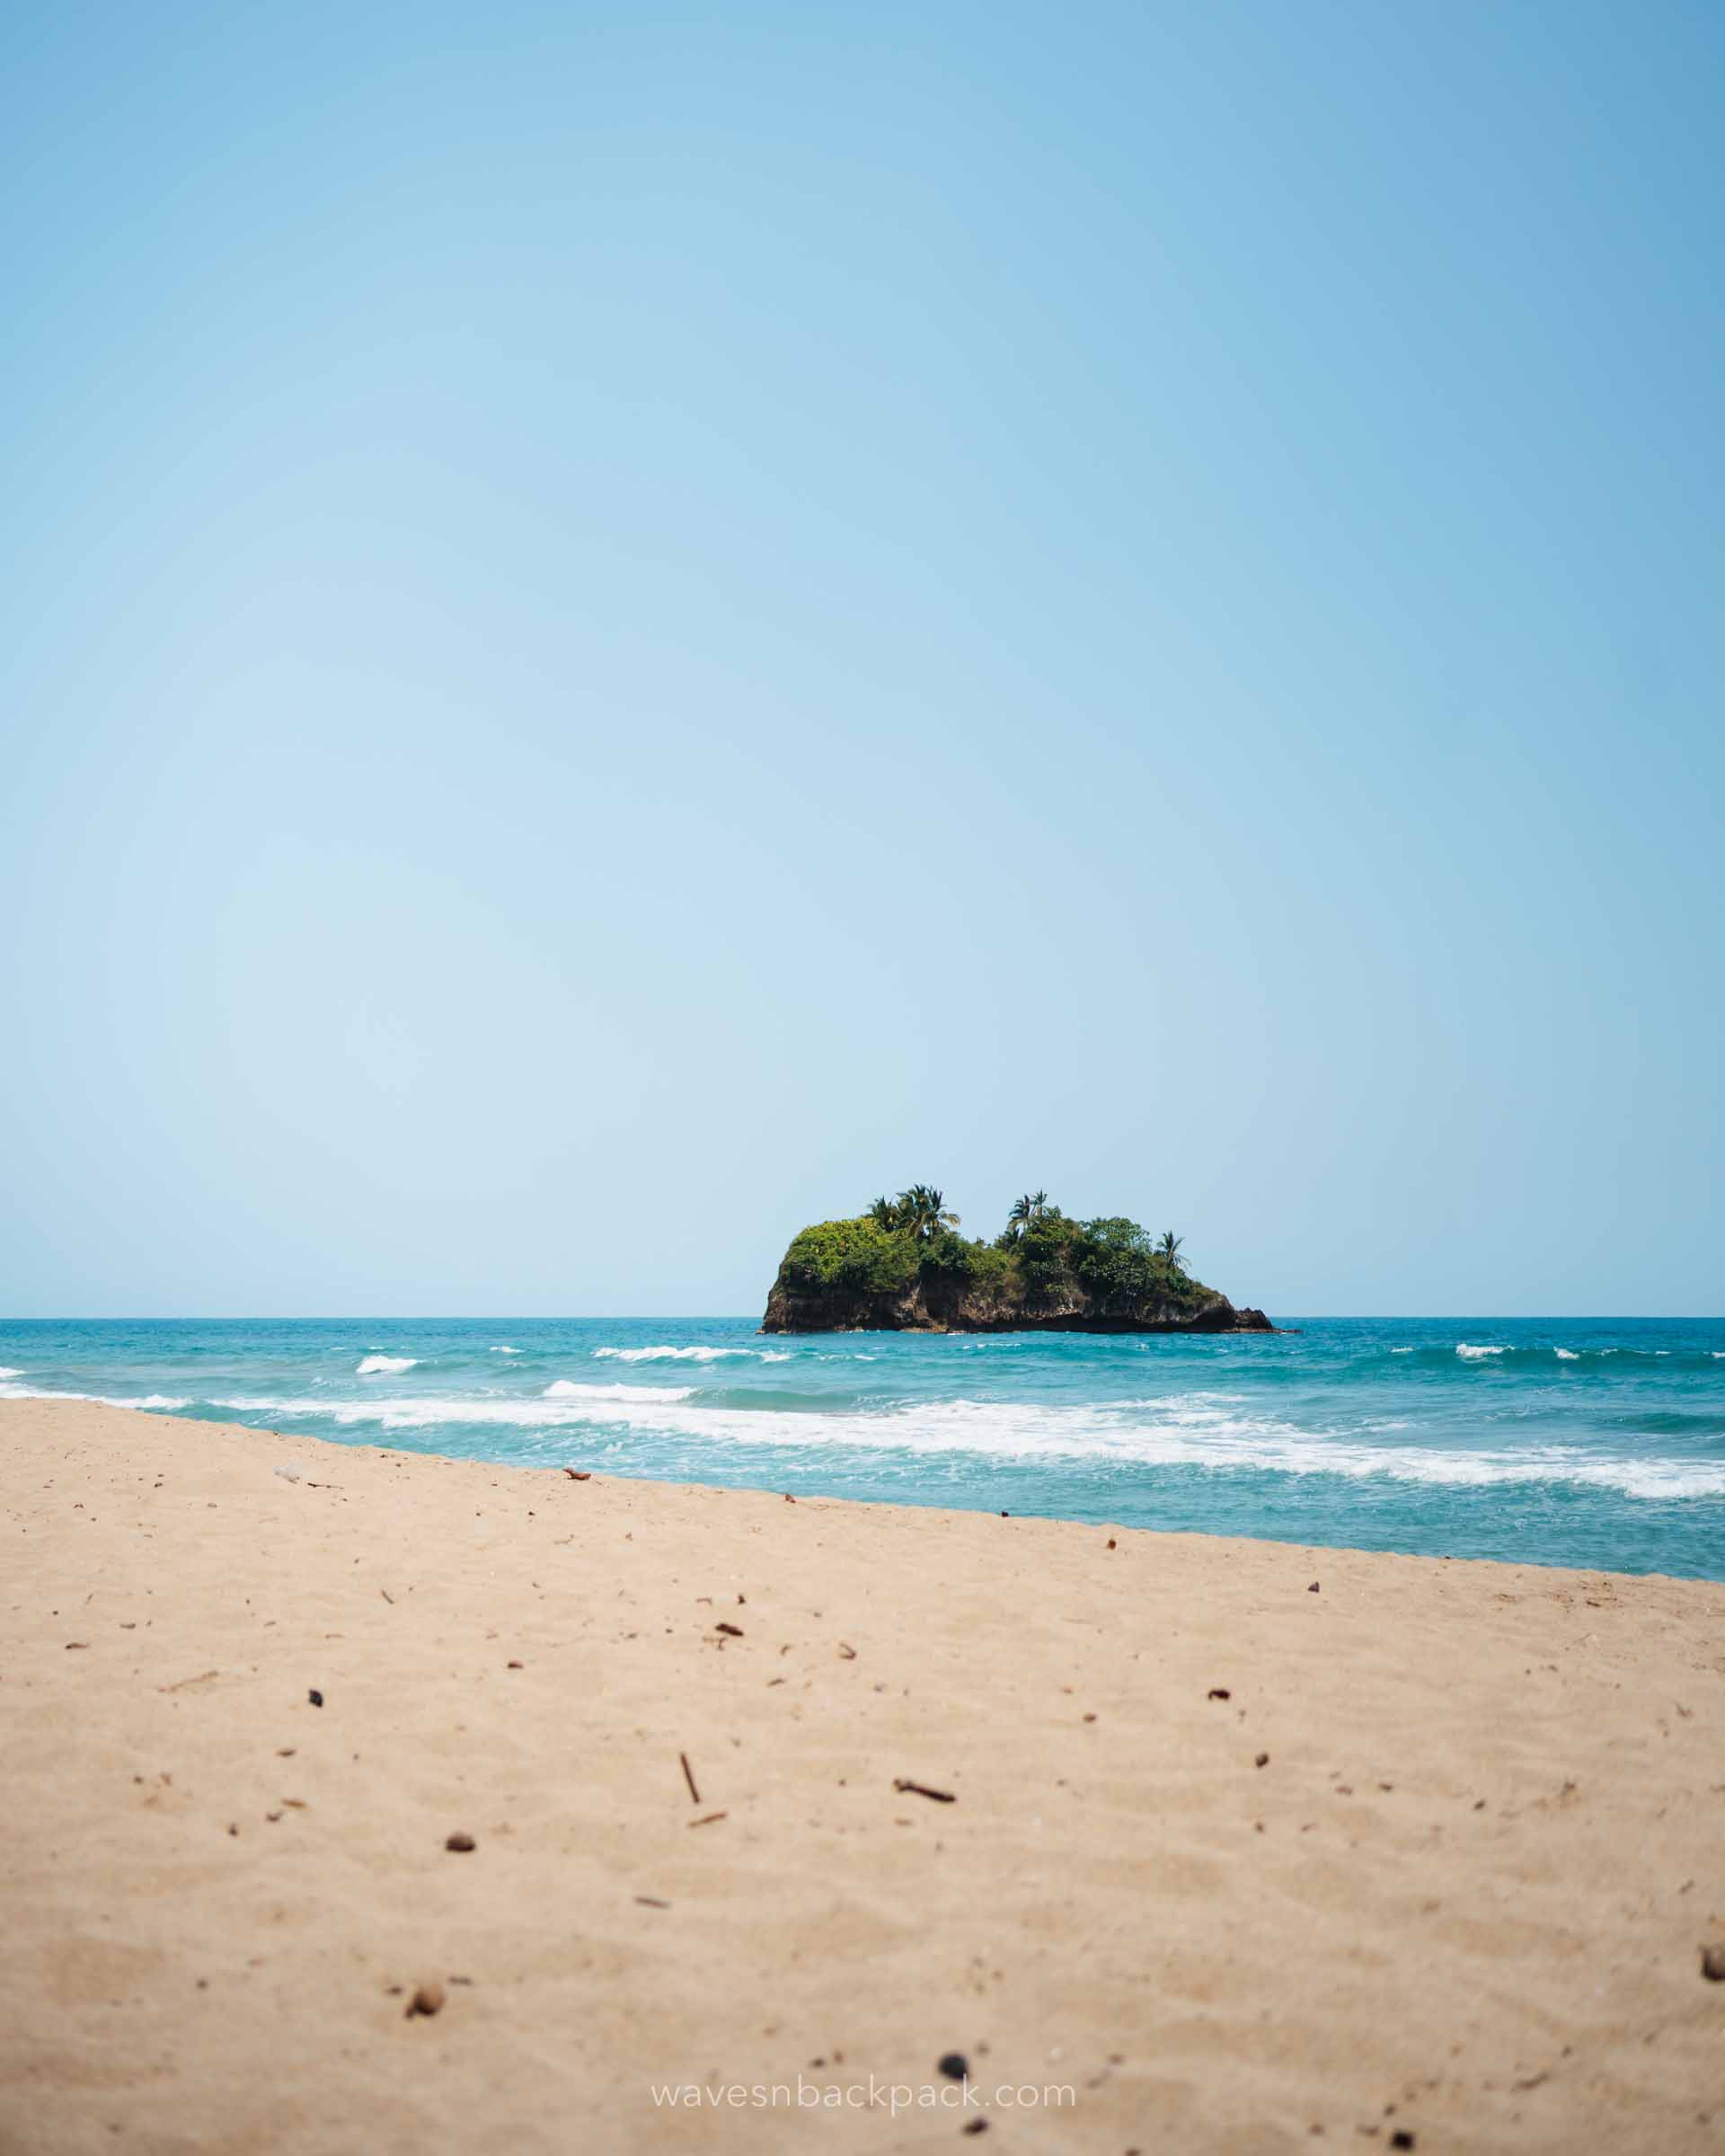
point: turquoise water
(1562, 1440)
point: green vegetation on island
(903, 1265)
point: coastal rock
(1052, 1275)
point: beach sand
(1463, 1900)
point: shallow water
(1593, 1441)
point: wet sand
(1462, 1898)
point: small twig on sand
(711, 1820)
(917, 1789)
(688, 1776)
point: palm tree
(922, 1210)
(884, 1214)
(1168, 1251)
(1026, 1209)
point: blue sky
(624, 626)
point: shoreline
(1464, 1897)
(173, 1410)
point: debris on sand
(1713, 1961)
(461, 1844)
(917, 1789)
(428, 1998)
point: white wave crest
(1566, 1355)
(506, 1351)
(1185, 1430)
(5, 1373)
(402, 1414)
(565, 1388)
(384, 1366)
(1474, 1355)
(676, 1355)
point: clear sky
(624, 625)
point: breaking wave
(690, 1354)
(384, 1366)
(1186, 1430)
(565, 1388)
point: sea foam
(676, 1355)
(384, 1366)
(565, 1388)
(1185, 1430)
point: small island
(902, 1266)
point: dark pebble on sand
(955, 2066)
(1262, 1760)
(1313, 1588)
(429, 1999)
(1401, 2139)
(976, 2125)
(316, 1697)
(460, 1844)
(1713, 1961)
(1219, 1691)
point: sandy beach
(1229, 1864)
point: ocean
(1591, 1442)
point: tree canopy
(1041, 1257)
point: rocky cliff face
(801, 1307)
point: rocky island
(902, 1266)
